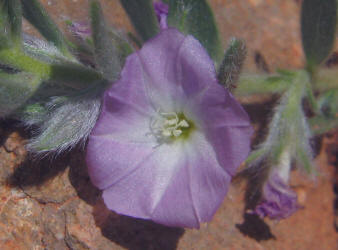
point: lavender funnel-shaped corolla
(169, 137)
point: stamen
(166, 125)
(183, 124)
(177, 132)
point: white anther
(167, 124)
(166, 133)
(171, 122)
(183, 124)
(177, 132)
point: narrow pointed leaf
(34, 12)
(11, 19)
(15, 90)
(68, 73)
(142, 15)
(42, 50)
(305, 160)
(232, 63)
(328, 103)
(106, 54)
(195, 17)
(124, 48)
(318, 25)
(255, 156)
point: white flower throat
(169, 125)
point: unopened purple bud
(279, 200)
(162, 10)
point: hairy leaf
(232, 63)
(15, 90)
(196, 18)
(328, 103)
(69, 121)
(142, 15)
(11, 20)
(318, 25)
(106, 54)
(34, 12)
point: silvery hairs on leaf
(69, 122)
(42, 50)
(287, 129)
(231, 66)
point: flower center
(168, 126)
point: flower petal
(109, 160)
(195, 71)
(138, 192)
(225, 124)
(176, 68)
(196, 191)
(177, 185)
(158, 58)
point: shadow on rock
(36, 171)
(79, 178)
(135, 234)
(254, 227)
(7, 127)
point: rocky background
(51, 204)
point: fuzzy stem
(284, 165)
(250, 84)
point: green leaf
(321, 124)
(68, 122)
(328, 103)
(106, 54)
(142, 15)
(11, 21)
(124, 48)
(42, 50)
(255, 156)
(71, 74)
(34, 12)
(318, 26)
(305, 159)
(31, 114)
(232, 63)
(195, 17)
(75, 76)
(15, 90)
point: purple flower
(161, 11)
(169, 137)
(279, 200)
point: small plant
(164, 134)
